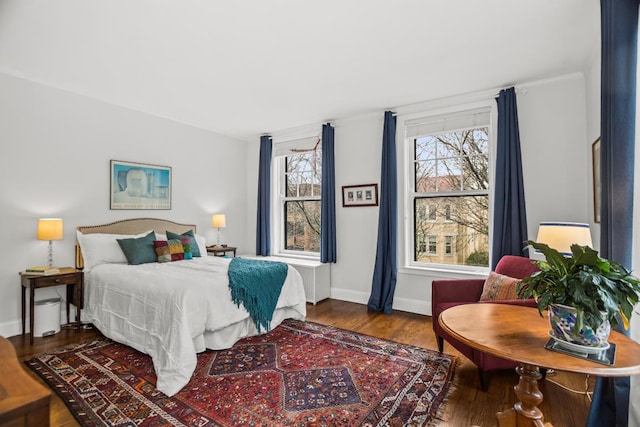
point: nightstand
(74, 279)
(221, 250)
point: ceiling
(247, 67)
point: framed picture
(359, 195)
(595, 154)
(140, 186)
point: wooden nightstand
(221, 250)
(74, 279)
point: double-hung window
(449, 191)
(299, 166)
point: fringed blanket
(256, 285)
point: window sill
(443, 271)
(296, 256)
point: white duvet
(173, 310)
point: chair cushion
(499, 287)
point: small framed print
(359, 195)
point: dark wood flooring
(467, 404)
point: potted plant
(584, 294)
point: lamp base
(50, 257)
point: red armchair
(449, 293)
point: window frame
(407, 195)
(279, 199)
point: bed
(168, 310)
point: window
(447, 213)
(300, 191)
(448, 245)
(422, 244)
(433, 245)
(450, 188)
(431, 210)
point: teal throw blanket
(257, 285)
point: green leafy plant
(591, 284)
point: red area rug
(299, 374)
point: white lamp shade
(50, 229)
(561, 235)
(218, 221)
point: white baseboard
(10, 329)
(401, 304)
(14, 327)
(349, 295)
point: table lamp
(218, 221)
(50, 229)
(561, 235)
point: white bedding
(174, 310)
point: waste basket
(46, 315)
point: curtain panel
(386, 269)
(263, 226)
(509, 215)
(619, 27)
(328, 210)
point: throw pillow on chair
(499, 287)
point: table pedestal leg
(525, 413)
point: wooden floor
(467, 404)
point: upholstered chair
(496, 289)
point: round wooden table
(519, 333)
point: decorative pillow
(198, 237)
(139, 250)
(169, 250)
(102, 248)
(499, 287)
(194, 246)
(186, 246)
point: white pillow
(102, 248)
(202, 244)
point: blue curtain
(619, 26)
(509, 215)
(263, 226)
(328, 213)
(386, 269)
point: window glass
(451, 196)
(301, 205)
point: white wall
(556, 162)
(56, 148)
(592, 86)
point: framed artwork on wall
(595, 154)
(359, 195)
(140, 186)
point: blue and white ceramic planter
(562, 319)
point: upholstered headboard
(131, 226)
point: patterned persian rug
(299, 374)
